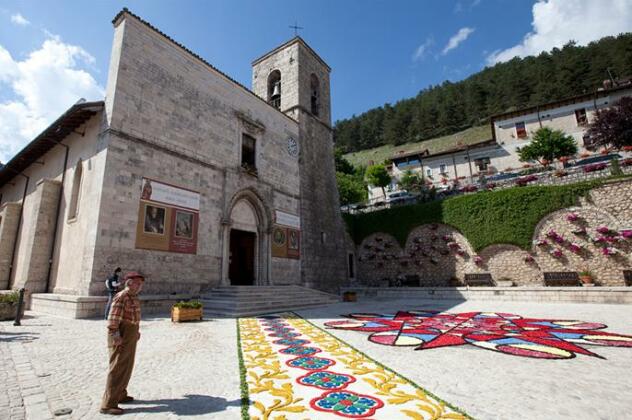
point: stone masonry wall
(571, 239)
(40, 238)
(9, 218)
(175, 119)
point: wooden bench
(479, 279)
(561, 279)
(627, 277)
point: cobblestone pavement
(182, 370)
(191, 370)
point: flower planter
(8, 311)
(587, 281)
(185, 314)
(349, 297)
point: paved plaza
(192, 370)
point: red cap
(133, 274)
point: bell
(276, 91)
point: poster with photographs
(184, 238)
(279, 242)
(154, 220)
(293, 243)
(167, 218)
(286, 242)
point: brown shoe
(127, 399)
(114, 411)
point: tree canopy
(548, 145)
(451, 107)
(613, 126)
(378, 176)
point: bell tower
(295, 79)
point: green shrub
(191, 304)
(12, 297)
(486, 218)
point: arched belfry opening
(246, 234)
(314, 88)
(274, 89)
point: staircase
(239, 301)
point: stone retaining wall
(440, 256)
(71, 306)
(613, 295)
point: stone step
(257, 311)
(253, 300)
(268, 300)
(285, 295)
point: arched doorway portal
(246, 259)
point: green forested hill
(452, 107)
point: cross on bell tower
(296, 28)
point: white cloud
(41, 87)
(459, 7)
(555, 22)
(457, 39)
(422, 50)
(18, 19)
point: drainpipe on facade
(57, 211)
(456, 176)
(17, 233)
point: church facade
(181, 173)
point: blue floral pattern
(347, 404)
(310, 363)
(326, 380)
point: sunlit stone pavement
(191, 370)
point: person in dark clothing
(112, 284)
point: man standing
(112, 284)
(123, 334)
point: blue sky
(51, 53)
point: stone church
(181, 173)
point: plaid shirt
(125, 307)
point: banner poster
(293, 243)
(279, 241)
(168, 218)
(285, 242)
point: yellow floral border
(259, 357)
(265, 374)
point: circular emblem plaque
(292, 147)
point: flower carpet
(292, 369)
(505, 333)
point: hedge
(485, 218)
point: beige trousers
(121, 365)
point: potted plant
(349, 296)
(9, 305)
(187, 311)
(586, 278)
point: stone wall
(9, 219)
(565, 240)
(176, 119)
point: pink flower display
(626, 233)
(460, 252)
(575, 248)
(478, 260)
(603, 230)
(572, 217)
(446, 238)
(609, 251)
(529, 259)
(541, 243)
(557, 253)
